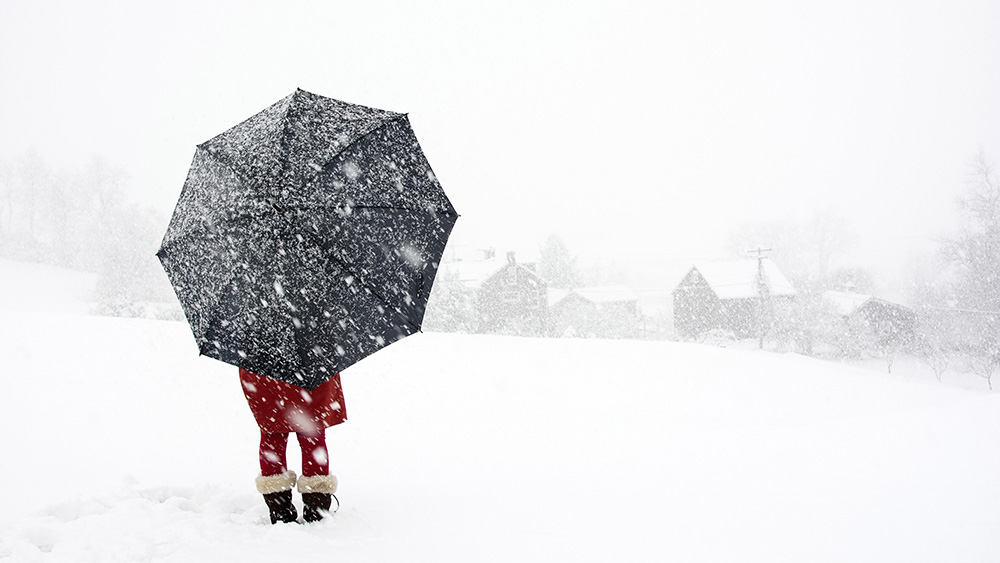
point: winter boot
(277, 491)
(317, 491)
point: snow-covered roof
(845, 303)
(595, 294)
(557, 294)
(479, 253)
(472, 273)
(737, 279)
(607, 294)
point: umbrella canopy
(306, 238)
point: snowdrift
(122, 445)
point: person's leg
(315, 460)
(276, 481)
(316, 484)
(273, 446)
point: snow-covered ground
(120, 444)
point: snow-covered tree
(129, 274)
(82, 219)
(450, 307)
(975, 254)
(556, 265)
(802, 323)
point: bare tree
(805, 249)
(933, 345)
(976, 251)
(825, 236)
(984, 363)
(975, 254)
(35, 180)
(938, 360)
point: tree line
(81, 218)
(954, 296)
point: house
(872, 322)
(506, 296)
(600, 312)
(738, 296)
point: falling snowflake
(351, 169)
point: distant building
(507, 297)
(738, 296)
(599, 312)
(872, 322)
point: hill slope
(123, 445)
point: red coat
(282, 407)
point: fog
(644, 134)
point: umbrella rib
(215, 319)
(303, 206)
(268, 198)
(283, 140)
(391, 118)
(244, 217)
(396, 208)
(347, 268)
(278, 208)
(222, 159)
(235, 220)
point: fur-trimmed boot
(316, 495)
(277, 491)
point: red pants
(273, 446)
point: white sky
(648, 130)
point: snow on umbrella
(306, 238)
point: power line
(958, 310)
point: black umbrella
(306, 238)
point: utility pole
(763, 294)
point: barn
(598, 312)
(739, 296)
(872, 322)
(508, 296)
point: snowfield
(121, 444)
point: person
(280, 409)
